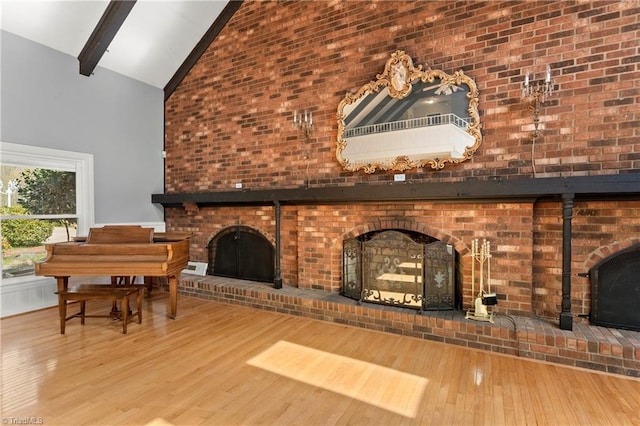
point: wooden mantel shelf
(622, 186)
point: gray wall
(44, 101)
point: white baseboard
(26, 294)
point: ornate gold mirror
(408, 118)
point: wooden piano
(116, 251)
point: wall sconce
(537, 92)
(303, 122)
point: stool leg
(83, 307)
(125, 313)
(140, 295)
(62, 311)
(114, 306)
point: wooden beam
(102, 35)
(201, 47)
(624, 186)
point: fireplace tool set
(484, 298)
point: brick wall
(312, 239)
(229, 122)
(599, 230)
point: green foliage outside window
(24, 232)
(45, 191)
(41, 192)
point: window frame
(56, 159)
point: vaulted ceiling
(153, 41)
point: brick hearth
(596, 348)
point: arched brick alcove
(615, 290)
(241, 252)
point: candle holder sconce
(536, 92)
(304, 122)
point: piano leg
(173, 296)
(63, 285)
(148, 281)
(114, 307)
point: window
(46, 196)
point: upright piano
(114, 254)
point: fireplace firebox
(241, 252)
(399, 268)
(615, 290)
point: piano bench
(100, 292)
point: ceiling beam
(102, 35)
(202, 46)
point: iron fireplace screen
(391, 268)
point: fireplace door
(241, 252)
(615, 290)
(439, 288)
(392, 270)
(352, 269)
(399, 268)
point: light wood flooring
(222, 364)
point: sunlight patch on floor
(383, 387)
(159, 422)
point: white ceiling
(154, 40)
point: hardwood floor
(229, 365)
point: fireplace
(615, 290)
(241, 252)
(399, 268)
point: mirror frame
(398, 76)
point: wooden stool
(99, 292)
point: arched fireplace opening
(400, 268)
(615, 290)
(241, 252)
